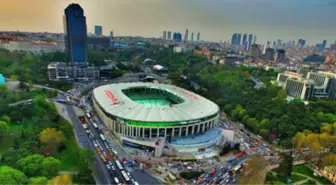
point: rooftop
(187, 106)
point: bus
(125, 175)
(94, 125)
(102, 137)
(119, 165)
(237, 168)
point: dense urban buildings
(198, 36)
(75, 35)
(192, 37)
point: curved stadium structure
(148, 110)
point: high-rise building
(234, 39)
(198, 36)
(250, 39)
(75, 35)
(238, 39)
(255, 51)
(267, 45)
(270, 52)
(111, 34)
(99, 31)
(281, 56)
(324, 44)
(244, 40)
(192, 37)
(186, 35)
(164, 35)
(301, 43)
(255, 39)
(169, 35)
(177, 36)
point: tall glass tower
(75, 35)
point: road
(142, 177)
(102, 175)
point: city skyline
(285, 20)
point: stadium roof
(115, 102)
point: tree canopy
(10, 175)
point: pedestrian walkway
(308, 178)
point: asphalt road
(102, 175)
(142, 177)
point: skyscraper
(99, 31)
(244, 39)
(164, 35)
(177, 36)
(169, 35)
(270, 54)
(255, 51)
(186, 35)
(255, 39)
(250, 41)
(75, 35)
(281, 55)
(111, 34)
(198, 36)
(324, 44)
(238, 39)
(192, 37)
(234, 39)
(301, 43)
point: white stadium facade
(141, 113)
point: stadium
(145, 111)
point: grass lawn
(296, 178)
(302, 169)
(68, 156)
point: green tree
(10, 175)
(50, 167)
(282, 94)
(38, 181)
(285, 167)
(31, 165)
(3, 128)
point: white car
(116, 180)
(95, 144)
(108, 166)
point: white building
(35, 47)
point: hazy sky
(313, 20)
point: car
(95, 144)
(107, 146)
(215, 178)
(116, 180)
(115, 152)
(88, 131)
(112, 167)
(91, 135)
(108, 166)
